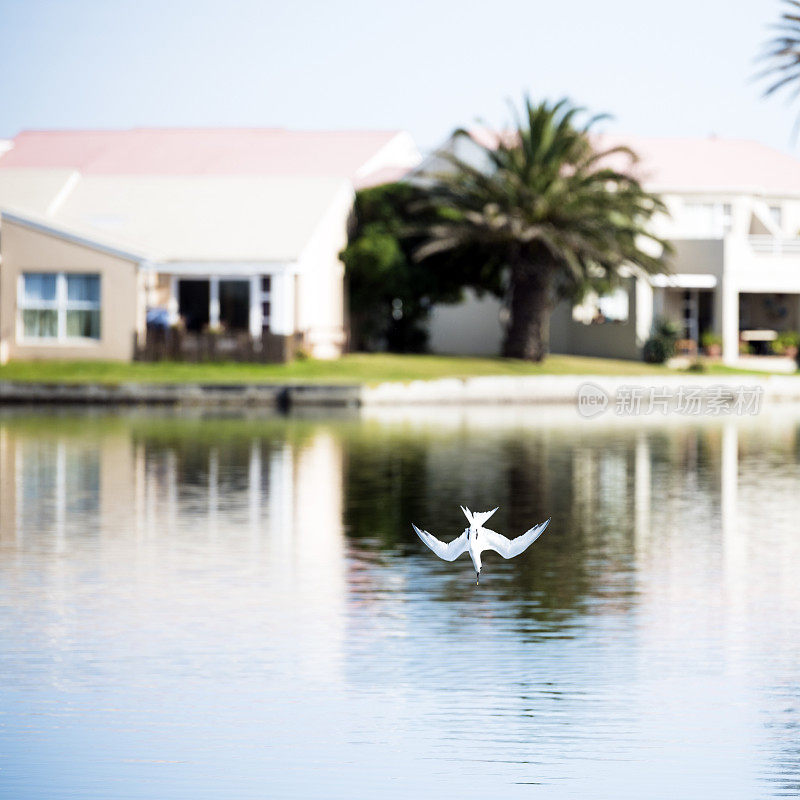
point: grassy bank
(356, 368)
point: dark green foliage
(661, 344)
(781, 55)
(389, 291)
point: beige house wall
(121, 301)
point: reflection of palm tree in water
(579, 485)
(530, 478)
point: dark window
(193, 298)
(266, 283)
(234, 305)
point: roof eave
(71, 236)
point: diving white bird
(476, 539)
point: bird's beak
(477, 578)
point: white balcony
(774, 245)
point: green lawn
(357, 368)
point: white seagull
(476, 539)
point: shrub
(698, 365)
(786, 341)
(661, 344)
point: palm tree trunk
(528, 332)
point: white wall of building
(319, 300)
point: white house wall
(320, 280)
(757, 272)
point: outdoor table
(760, 338)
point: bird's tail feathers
(477, 518)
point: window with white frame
(59, 305)
(595, 309)
(707, 219)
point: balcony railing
(776, 246)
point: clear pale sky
(682, 68)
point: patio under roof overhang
(266, 288)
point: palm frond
(781, 55)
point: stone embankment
(545, 389)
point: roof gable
(198, 194)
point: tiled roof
(200, 151)
(711, 164)
(198, 195)
(695, 164)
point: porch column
(172, 305)
(658, 304)
(256, 320)
(644, 309)
(282, 304)
(728, 304)
(213, 302)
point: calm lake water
(236, 607)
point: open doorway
(194, 300)
(234, 305)
(198, 309)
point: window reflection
(57, 486)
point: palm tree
(782, 53)
(556, 215)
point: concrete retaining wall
(564, 388)
(267, 395)
(499, 390)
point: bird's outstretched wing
(449, 552)
(508, 548)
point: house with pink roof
(734, 221)
(229, 230)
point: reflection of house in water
(48, 484)
(215, 518)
